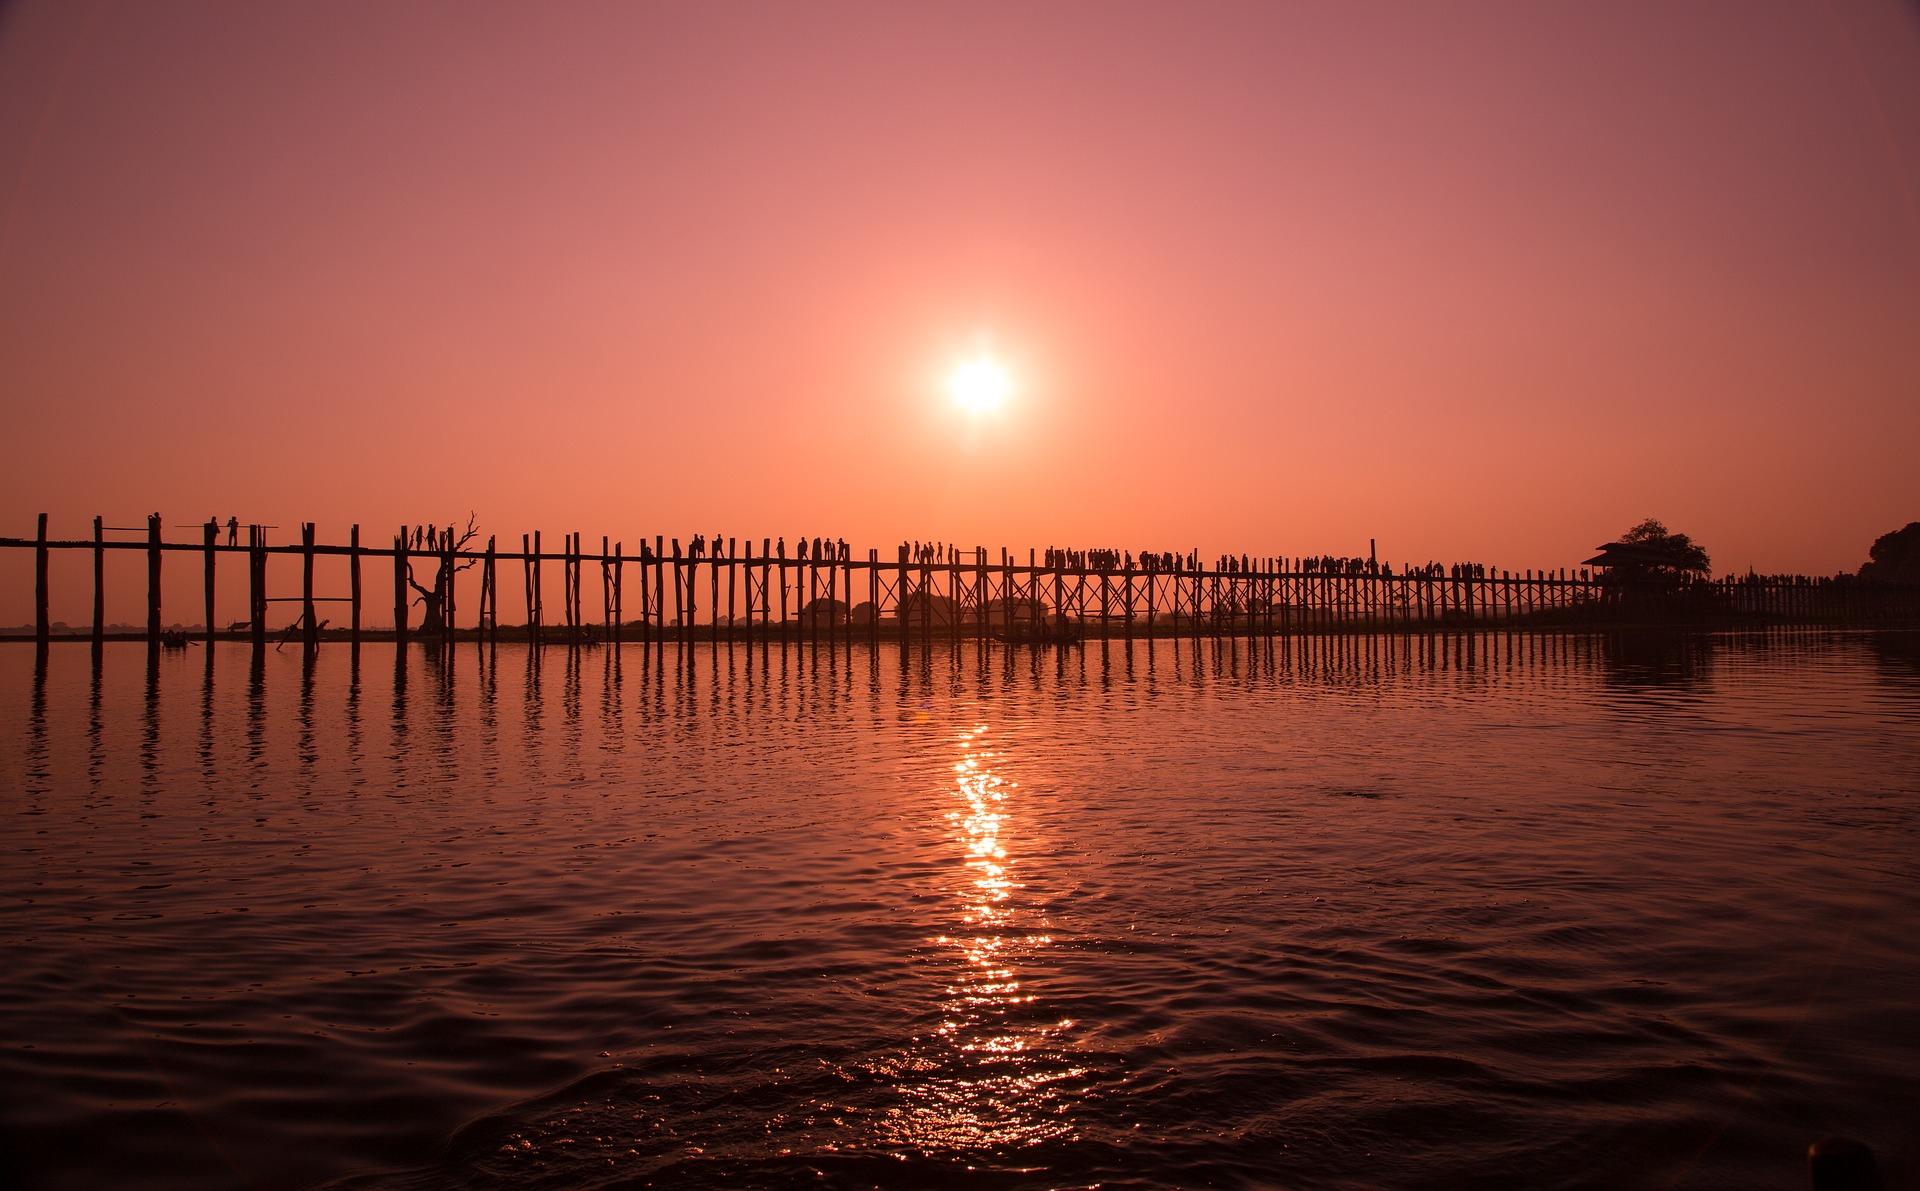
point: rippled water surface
(1502, 911)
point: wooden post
(537, 617)
(444, 579)
(746, 575)
(1257, 599)
(487, 599)
(833, 599)
(1177, 585)
(619, 568)
(679, 602)
(660, 588)
(1270, 591)
(827, 587)
(153, 581)
(579, 576)
(210, 537)
(1059, 600)
(1282, 598)
(1199, 593)
(1030, 594)
(353, 581)
(42, 625)
(836, 627)
(1195, 582)
(257, 586)
(982, 592)
(99, 583)
(526, 579)
(733, 583)
(1276, 588)
(1030, 602)
(810, 619)
(1300, 605)
(764, 608)
(648, 605)
(566, 586)
(490, 593)
(310, 625)
(899, 594)
(1173, 597)
(693, 592)
(400, 588)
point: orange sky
(1481, 280)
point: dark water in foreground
(1507, 911)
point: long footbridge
(445, 584)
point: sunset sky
(1487, 281)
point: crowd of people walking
(929, 553)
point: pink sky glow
(1487, 281)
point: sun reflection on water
(999, 1070)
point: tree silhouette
(1895, 557)
(1650, 550)
(433, 600)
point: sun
(980, 385)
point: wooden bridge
(726, 591)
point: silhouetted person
(233, 531)
(1842, 1164)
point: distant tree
(1895, 557)
(1650, 549)
(445, 543)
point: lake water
(1506, 911)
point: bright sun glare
(980, 385)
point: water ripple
(1523, 911)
